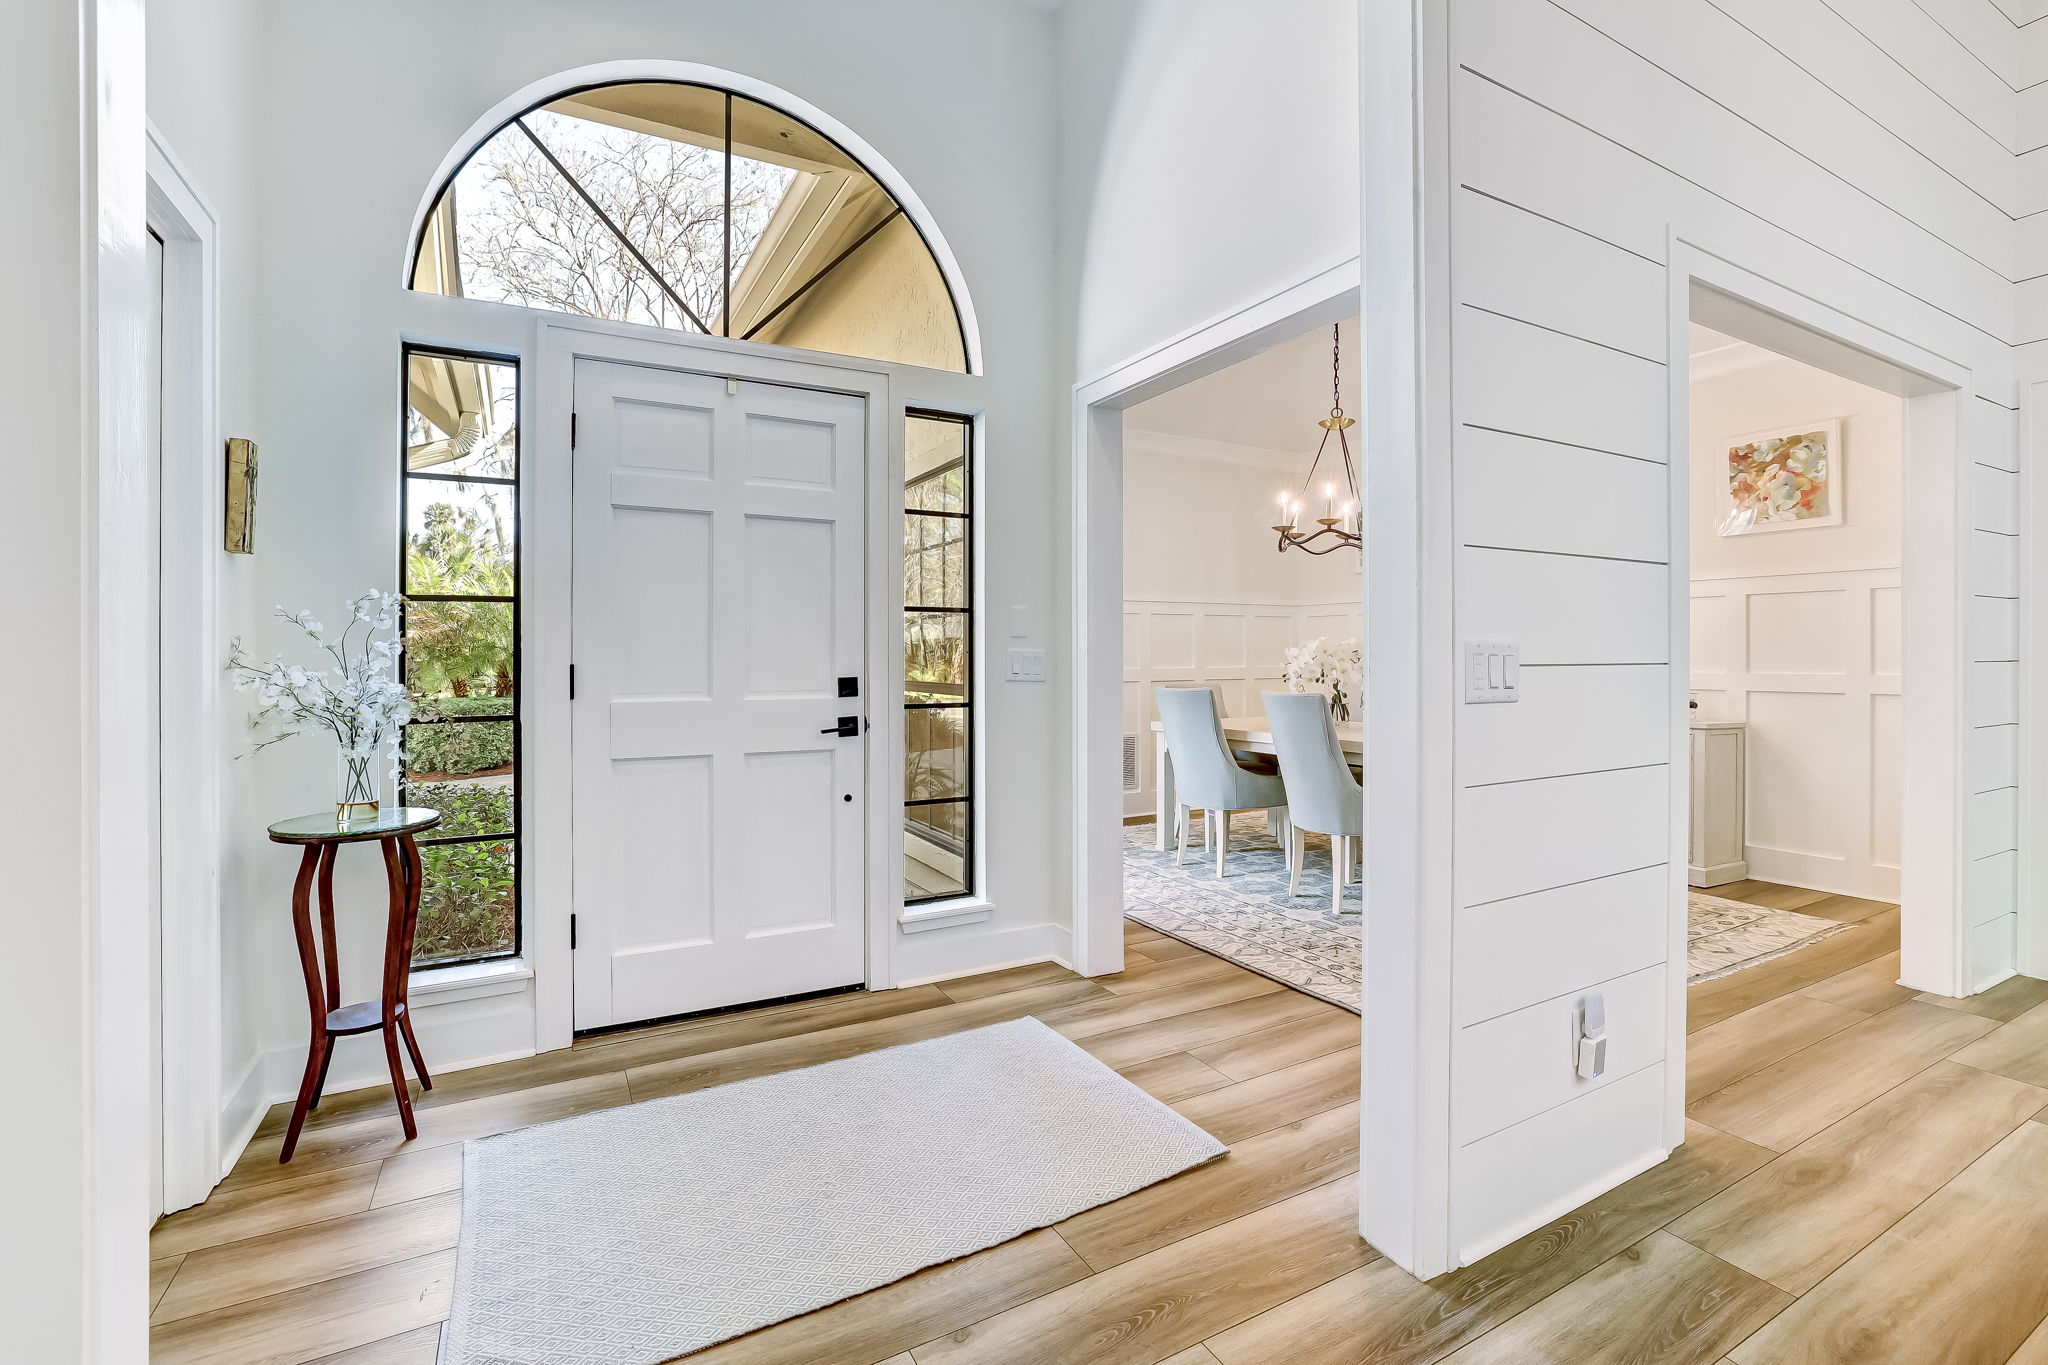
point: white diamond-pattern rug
(639, 1234)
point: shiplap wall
(1858, 150)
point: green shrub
(466, 807)
(459, 748)
(467, 903)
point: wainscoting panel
(1811, 663)
(1236, 649)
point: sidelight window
(938, 658)
(459, 576)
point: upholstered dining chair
(1322, 795)
(1207, 777)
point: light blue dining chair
(1322, 795)
(1207, 777)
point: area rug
(1724, 936)
(638, 1234)
(1249, 917)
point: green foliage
(467, 903)
(466, 807)
(459, 749)
(459, 648)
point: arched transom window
(693, 208)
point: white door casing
(718, 595)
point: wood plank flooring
(1862, 1181)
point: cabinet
(1717, 829)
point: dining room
(1243, 742)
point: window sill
(469, 981)
(944, 914)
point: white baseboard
(940, 954)
(247, 1101)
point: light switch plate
(1493, 671)
(1026, 665)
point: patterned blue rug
(1248, 917)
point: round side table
(322, 836)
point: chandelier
(1340, 523)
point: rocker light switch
(1492, 671)
(1026, 665)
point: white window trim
(469, 980)
(944, 914)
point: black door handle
(847, 728)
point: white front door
(719, 816)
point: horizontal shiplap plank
(1994, 694)
(1910, 37)
(1517, 1065)
(1731, 66)
(1992, 950)
(1511, 261)
(1991, 433)
(1522, 837)
(1995, 499)
(1516, 952)
(1994, 564)
(1992, 758)
(1992, 822)
(1512, 146)
(1509, 1183)
(1564, 609)
(1520, 493)
(1568, 720)
(1991, 886)
(1536, 48)
(1994, 629)
(1517, 377)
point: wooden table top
(1253, 732)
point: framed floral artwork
(1784, 479)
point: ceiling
(1271, 401)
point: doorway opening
(1217, 601)
(1794, 554)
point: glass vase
(356, 788)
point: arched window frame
(542, 92)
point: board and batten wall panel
(1582, 133)
(1810, 663)
(1235, 649)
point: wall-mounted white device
(1493, 670)
(1592, 1035)
(1025, 665)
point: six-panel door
(719, 850)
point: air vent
(1130, 763)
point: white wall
(352, 127)
(1208, 601)
(1564, 144)
(1208, 159)
(1797, 632)
(203, 58)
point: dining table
(1244, 735)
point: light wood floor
(1864, 1181)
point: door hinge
(572, 933)
(572, 431)
(572, 682)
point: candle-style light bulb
(1329, 497)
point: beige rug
(1724, 936)
(638, 1234)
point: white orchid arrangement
(1335, 668)
(359, 700)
